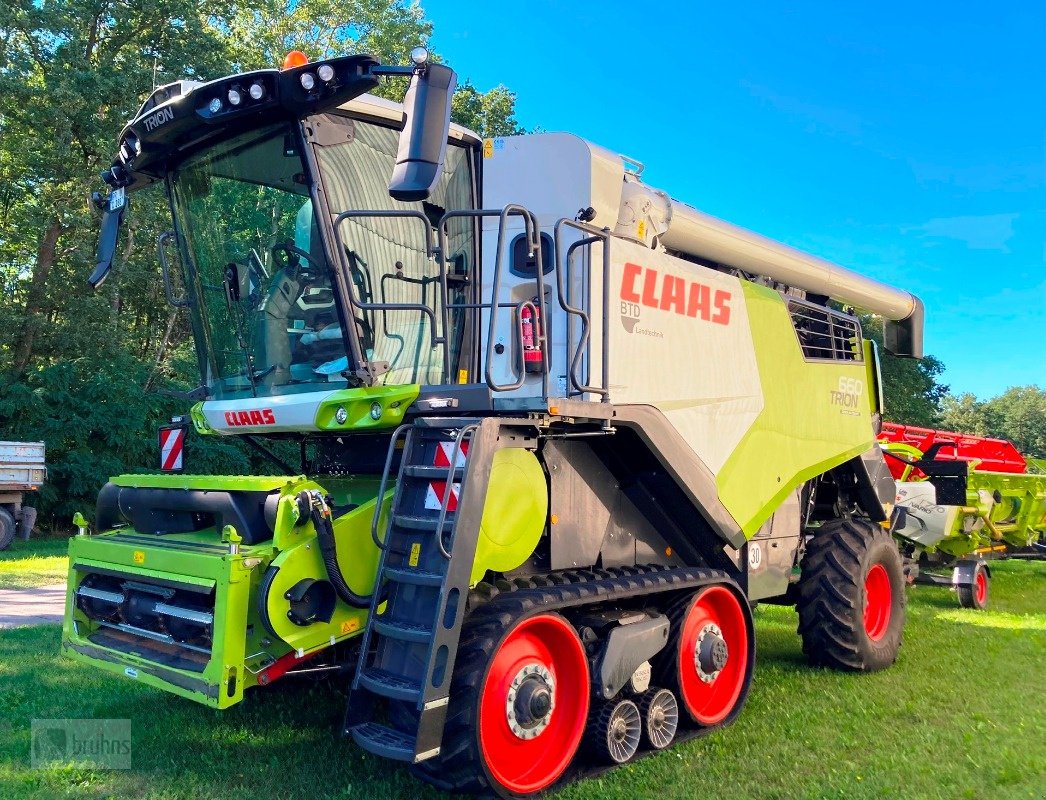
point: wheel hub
(530, 701)
(710, 655)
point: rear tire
(7, 528)
(975, 595)
(851, 597)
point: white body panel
(277, 414)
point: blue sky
(905, 141)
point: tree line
(86, 371)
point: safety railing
(565, 263)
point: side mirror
(423, 142)
(112, 218)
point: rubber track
(457, 768)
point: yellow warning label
(463, 376)
(642, 229)
(488, 148)
(139, 557)
(350, 625)
(415, 554)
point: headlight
(235, 97)
(341, 416)
(375, 411)
(326, 72)
(257, 91)
(308, 81)
(215, 106)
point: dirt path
(43, 605)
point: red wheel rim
(980, 588)
(711, 702)
(530, 765)
(878, 598)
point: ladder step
(418, 577)
(388, 684)
(414, 523)
(404, 631)
(432, 473)
(384, 741)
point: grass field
(961, 715)
(37, 562)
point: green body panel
(802, 431)
(180, 558)
(300, 557)
(229, 483)
(241, 644)
(514, 512)
(394, 401)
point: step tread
(388, 684)
(406, 631)
(384, 741)
(418, 577)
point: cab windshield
(265, 316)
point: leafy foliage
(910, 386)
(1018, 414)
(80, 370)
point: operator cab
(291, 288)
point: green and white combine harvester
(557, 432)
(963, 500)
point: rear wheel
(7, 528)
(975, 594)
(851, 597)
(708, 663)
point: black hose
(321, 518)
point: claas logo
(642, 286)
(262, 416)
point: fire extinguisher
(530, 322)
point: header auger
(558, 432)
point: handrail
(405, 428)
(464, 433)
(436, 338)
(562, 268)
(533, 234)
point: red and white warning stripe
(437, 489)
(172, 442)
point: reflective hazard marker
(437, 489)
(172, 444)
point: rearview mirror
(112, 218)
(423, 142)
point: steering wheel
(281, 255)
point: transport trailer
(557, 432)
(963, 500)
(22, 469)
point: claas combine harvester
(557, 431)
(962, 501)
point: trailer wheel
(975, 594)
(7, 528)
(708, 661)
(851, 597)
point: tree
(911, 391)
(963, 414)
(1019, 414)
(75, 364)
(489, 113)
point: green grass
(961, 715)
(37, 562)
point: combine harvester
(963, 500)
(557, 432)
